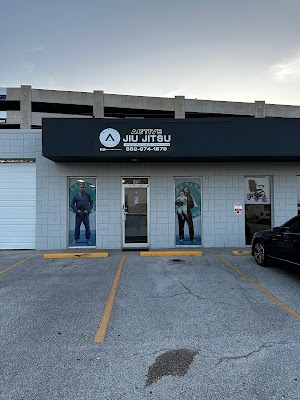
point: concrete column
(25, 107)
(179, 107)
(260, 109)
(98, 107)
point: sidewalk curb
(241, 253)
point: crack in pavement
(260, 349)
(167, 297)
(188, 291)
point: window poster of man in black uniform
(188, 212)
(82, 215)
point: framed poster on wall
(82, 215)
(258, 207)
(257, 190)
(188, 211)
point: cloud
(30, 67)
(51, 82)
(34, 49)
(173, 93)
(287, 70)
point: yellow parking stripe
(171, 253)
(101, 332)
(13, 266)
(75, 255)
(263, 290)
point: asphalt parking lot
(130, 327)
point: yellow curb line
(75, 255)
(101, 332)
(241, 253)
(169, 253)
(13, 266)
(262, 289)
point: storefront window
(258, 210)
(82, 215)
(188, 212)
(298, 186)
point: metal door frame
(135, 245)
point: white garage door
(17, 205)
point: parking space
(282, 282)
(178, 327)
(10, 258)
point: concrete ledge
(75, 255)
(241, 253)
(171, 253)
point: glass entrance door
(135, 216)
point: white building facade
(133, 197)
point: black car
(280, 245)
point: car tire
(260, 254)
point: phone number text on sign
(144, 148)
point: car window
(294, 227)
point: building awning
(159, 140)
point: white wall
(222, 186)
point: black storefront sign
(188, 140)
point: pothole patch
(173, 362)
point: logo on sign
(110, 138)
(137, 141)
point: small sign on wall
(238, 208)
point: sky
(225, 50)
